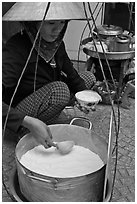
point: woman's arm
(14, 57)
(75, 82)
(15, 118)
(40, 131)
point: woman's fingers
(49, 132)
(45, 145)
(50, 142)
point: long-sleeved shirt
(14, 56)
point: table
(123, 57)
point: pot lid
(110, 30)
(34, 11)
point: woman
(47, 82)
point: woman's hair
(33, 24)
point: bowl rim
(97, 97)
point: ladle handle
(75, 120)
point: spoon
(65, 147)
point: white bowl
(88, 98)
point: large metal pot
(40, 188)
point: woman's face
(51, 29)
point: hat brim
(34, 11)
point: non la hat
(34, 11)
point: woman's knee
(61, 92)
(89, 79)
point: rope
(116, 126)
(84, 31)
(5, 124)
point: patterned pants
(47, 102)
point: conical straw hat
(34, 11)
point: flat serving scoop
(65, 147)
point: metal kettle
(106, 31)
(122, 43)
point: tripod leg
(125, 97)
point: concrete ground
(124, 186)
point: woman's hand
(39, 130)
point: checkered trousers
(89, 78)
(47, 102)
